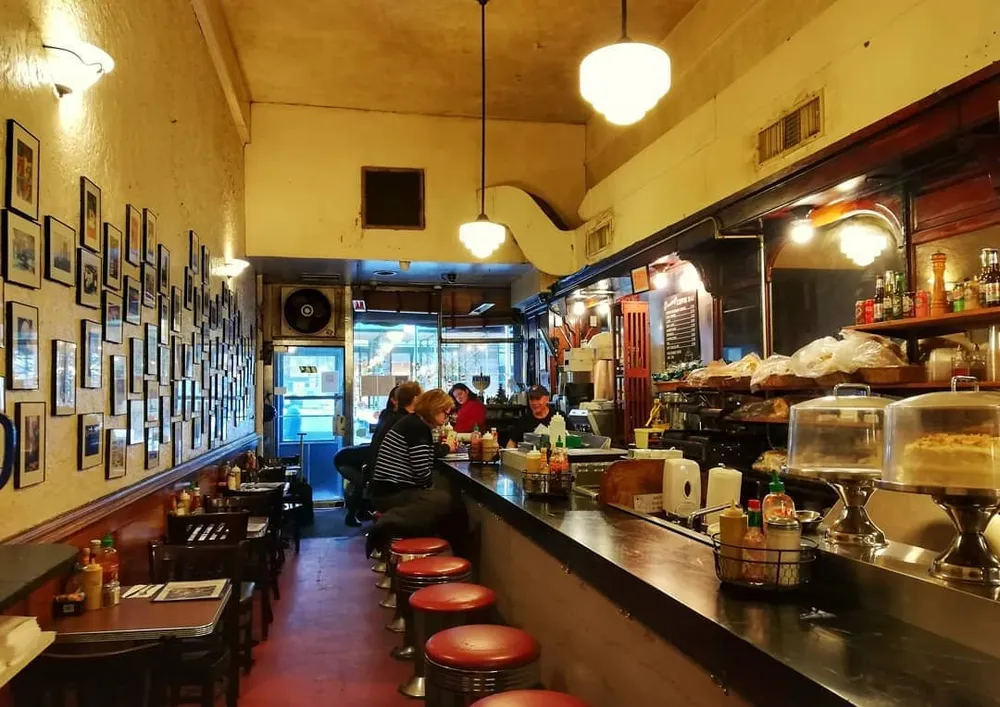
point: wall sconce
(75, 69)
(231, 268)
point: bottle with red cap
(754, 544)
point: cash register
(596, 417)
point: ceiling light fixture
(801, 231)
(579, 308)
(624, 80)
(76, 68)
(232, 268)
(660, 280)
(482, 236)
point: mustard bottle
(732, 528)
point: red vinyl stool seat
(440, 607)
(404, 550)
(478, 660)
(530, 698)
(420, 546)
(412, 576)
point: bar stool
(404, 550)
(440, 607)
(479, 660)
(413, 576)
(385, 581)
(530, 698)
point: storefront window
(472, 356)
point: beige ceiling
(422, 56)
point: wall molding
(66, 524)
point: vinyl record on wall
(307, 311)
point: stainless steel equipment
(671, 413)
(595, 417)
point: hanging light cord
(624, 19)
(482, 154)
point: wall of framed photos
(123, 354)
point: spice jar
(784, 548)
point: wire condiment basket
(763, 569)
(560, 485)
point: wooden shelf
(925, 386)
(44, 641)
(922, 327)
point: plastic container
(949, 439)
(557, 430)
(533, 462)
(838, 432)
(108, 559)
(732, 529)
(754, 545)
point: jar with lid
(783, 537)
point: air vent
(320, 278)
(599, 237)
(791, 130)
(392, 198)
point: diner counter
(777, 653)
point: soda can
(869, 311)
(922, 304)
(859, 312)
(908, 304)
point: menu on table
(681, 342)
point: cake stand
(854, 487)
(969, 557)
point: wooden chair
(220, 529)
(202, 663)
(131, 677)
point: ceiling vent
(320, 278)
(599, 237)
(791, 131)
(392, 198)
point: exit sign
(359, 305)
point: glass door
(309, 413)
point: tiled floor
(327, 645)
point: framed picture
(90, 215)
(91, 440)
(152, 356)
(188, 361)
(119, 385)
(196, 347)
(133, 235)
(206, 377)
(117, 453)
(178, 443)
(22, 350)
(164, 310)
(148, 286)
(30, 420)
(152, 402)
(196, 399)
(88, 289)
(93, 352)
(196, 305)
(188, 399)
(63, 377)
(138, 365)
(194, 252)
(152, 447)
(196, 426)
(164, 269)
(175, 309)
(188, 288)
(165, 424)
(164, 365)
(136, 421)
(112, 257)
(114, 328)
(133, 301)
(22, 170)
(177, 398)
(149, 236)
(178, 357)
(22, 250)
(206, 264)
(60, 260)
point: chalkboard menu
(681, 343)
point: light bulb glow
(604, 309)
(623, 81)
(482, 237)
(801, 231)
(862, 245)
(579, 308)
(690, 280)
(232, 268)
(660, 280)
(77, 66)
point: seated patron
(471, 411)
(403, 396)
(538, 413)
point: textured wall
(155, 133)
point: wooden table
(143, 620)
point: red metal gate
(635, 393)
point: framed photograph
(90, 215)
(138, 365)
(114, 326)
(164, 310)
(196, 305)
(149, 236)
(63, 377)
(164, 365)
(117, 453)
(30, 420)
(165, 424)
(177, 398)
(196, 426)
(192, 591)
(22, 250)
(133, 301)
(148, 286)
(91, 440)
(640, 279)
(22, 350)
(196, 347)
(188, 288)
(206, 264)
(152, 402)
(22, 170)
(92, 354)
(188, 399)
(152, 356)
(194, 252)
(178, 357)
(136, 421)
(119, 385)
(152, 447)
(112, 257)
(164, 269)
(196, 399)
(175, 309)
(88, 289)
(206, 377)
(188, 361)
(60, 258)
(178, 443)
(133, 235)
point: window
(472, 356)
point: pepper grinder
(939, 299)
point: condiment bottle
(784, 548)
(559, 464)
(778, 504)
(92, 586)
(475, 445)
(732, 529)
(533, 463)
(490, 448)
(754, 544)
(184, 500)
(231, 483)
(939, 296)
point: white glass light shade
(231, 268)
(482, 236)
(802, 231)
(623, 81)
(862, 245)
(78, 66)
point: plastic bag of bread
(745, 367)
(816, 359)
(700, 376)
(774, 365)
(861, 350)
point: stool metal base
(413, 688)
(402, 653)
(380, 567)
(389, 602)
(397, 625)
(384, 582)
(377, 555)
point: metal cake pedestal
(854, 488)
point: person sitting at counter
(538, 413)
(403, 396)
(471, 411)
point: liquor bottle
(890, 286)
(984, 277)
(990, 280)
(879, 295)
(899, 287)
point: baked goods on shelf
(771, 460)
(773, 410)
(947, 459)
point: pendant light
(482, 236)
(625, 80)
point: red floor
(328, 644)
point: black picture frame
(90, 432)
(149, 236)
(63, 377)
(196, 430)
(22, 244)
(133, 300)
(176, 310)
(177, 357)
(164, 365)
(88, 279)
(196, 305)
(177, 398)
(90, 215)
(91, 353)
(148, 275)
(188, 361)
(117, 453)
(165, 421)
(196, 347)
(22, 346)
(136, 421)
(178, 443)
(152, 356)
(119, 385)
(113, 321)
(163, 268)
(152, 398)
(133, 235)
(138, 367)
(30, 419)
(23, 173)
(206, 264)
(60, 252)
(188, 288)
(194, 252)
(163, 309)
(152, 448)
(114, 243)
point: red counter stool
(467, 662)
(530, 698)
(382, 567)
(441, 607)
(413, 576)
(404, 550)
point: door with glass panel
(309, 406)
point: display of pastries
(952, 459)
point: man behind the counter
(538, 413)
